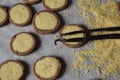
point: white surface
(47, 47)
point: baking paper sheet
(47, 44)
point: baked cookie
(20, 14)
(46, 22)
(11, 70)
(47, 68)
(72, 28)
(31, 1)
(23, 43)
(3, 15)
(55, 5)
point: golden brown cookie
(47, 68)
(3, 15)
(20, 14)
(55, 5)
(46, 22)
(23, 43)
(72, 28)
(11, 70)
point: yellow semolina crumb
(105, 55)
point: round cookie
(55, 5)
(11, 70)
(23, 43)
(31, 1)
(20, 14)
(72, 28)
(47, 68)
(3, 15)
(46, 22)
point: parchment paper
(47, 44)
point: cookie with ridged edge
(72, 28)
(3, 15)
(47, 68)
(23, 43)
(11, 70)
(20, 14)
(46, 22)
(55, 5)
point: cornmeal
(105, 54)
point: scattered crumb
(105, 55)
